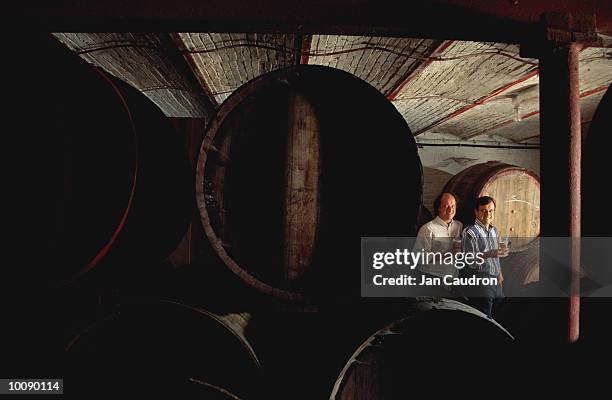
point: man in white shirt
(437, 236)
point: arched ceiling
(470, 90)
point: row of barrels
(295, 167)
(287, 177)
(230, 356)
(110, 183)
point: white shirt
(437, 236)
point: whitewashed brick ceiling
(467, 89)
(149, 62)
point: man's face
(485, 213)
(448, 207)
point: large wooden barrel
(111, 179)
(382, 365)
(516, 192)
(209, 351)
(164, 200)
(595, 326)
(595, 153)
(296, 166)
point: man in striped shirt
(483, 237)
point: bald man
(437, 236)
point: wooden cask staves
(516, 192)
(295, 168)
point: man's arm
(493, 253)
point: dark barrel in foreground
(383, 367)
(199, 352)
(296, 166)
(596, 256)
(596, 150)
(109, 177)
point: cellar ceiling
(463, 89)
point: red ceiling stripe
(418, 70)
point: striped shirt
(477, 238)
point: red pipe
(418, 70)
(478, 102)
(531, 114)
(560, 166)
(593, 91)
(574, 186)
(495, 93)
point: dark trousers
(485, 297)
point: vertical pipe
(574, 182)
(560, 155)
